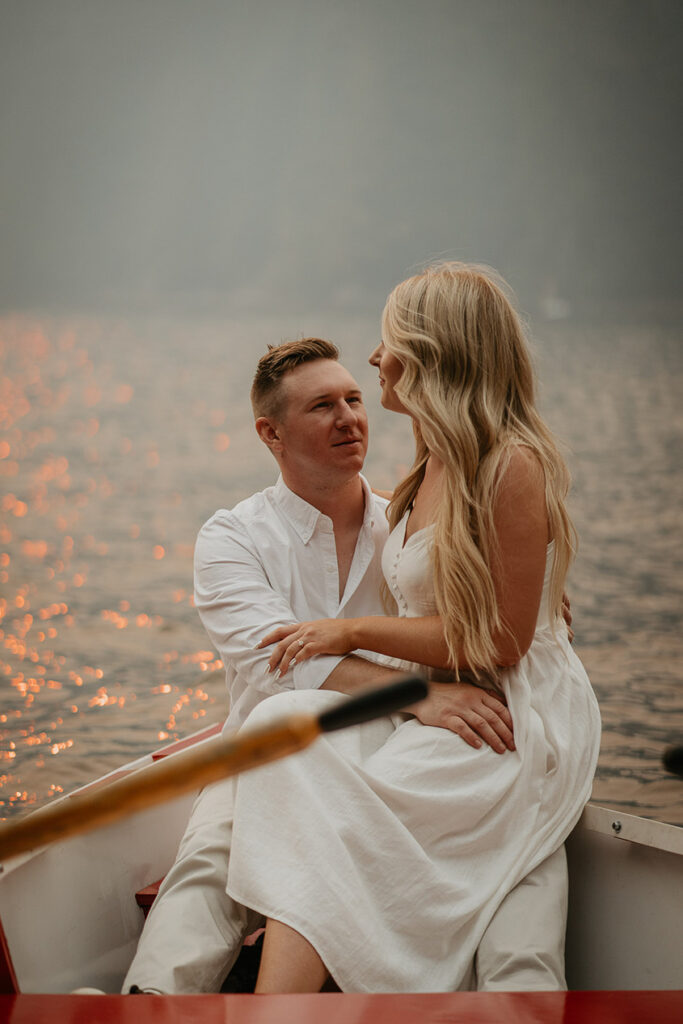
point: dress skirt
(390, 845)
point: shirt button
(329, 568)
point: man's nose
(346, 416)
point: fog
(210, 156)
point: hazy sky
(215, 155)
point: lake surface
(119, 439)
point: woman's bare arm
(521, 524)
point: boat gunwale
(632, 828)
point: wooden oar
(191, 769)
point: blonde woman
(380, 856)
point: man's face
(323, 432)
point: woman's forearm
(416, 639)
(411, 639)
(421, 639)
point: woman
(380, 856)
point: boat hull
(69, 912)
(625, 900)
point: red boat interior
(335, 1008)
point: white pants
(194, 931)
(522, 950)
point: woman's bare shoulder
(521, 467)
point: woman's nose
(374, 356)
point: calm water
(117, 440)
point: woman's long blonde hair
(469, 384)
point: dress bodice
(407, 568)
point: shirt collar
(304, 517)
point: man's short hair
(267, 395)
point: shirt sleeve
(238, 606)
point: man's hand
(474, 714)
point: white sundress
(390, 846)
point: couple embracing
(422, 852)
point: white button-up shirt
(272, 560)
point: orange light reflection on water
(72, 459)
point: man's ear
(267, 430)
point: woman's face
(390, 370)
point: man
(309, 548)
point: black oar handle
(374, 704)
(673, 760)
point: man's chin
(351, 462)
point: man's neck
(343, 501)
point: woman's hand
(474, 714)
(300, 641)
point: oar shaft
(194, 768)
(168, 778)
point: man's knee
(279, 705)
